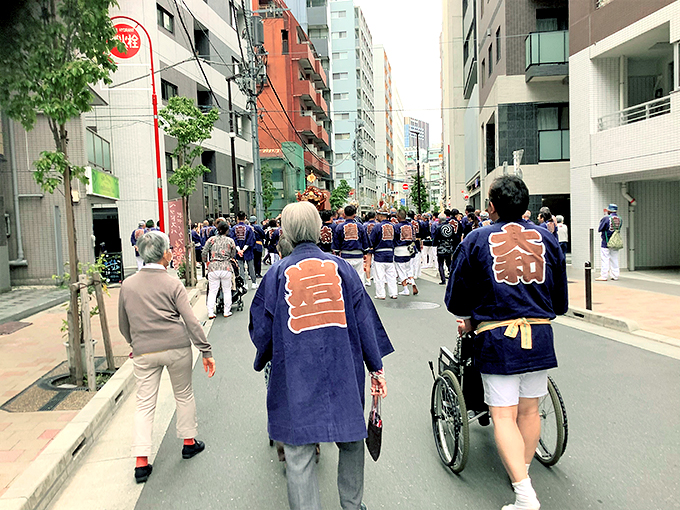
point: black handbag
(374, 439)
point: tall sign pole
(130, 37)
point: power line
(193, 49)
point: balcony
(305, 90)
(302, 53)
(637, 113)
(547, 56)
(306, 125)
(318, 163)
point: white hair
(152, 246)
(559, 218)
(442, 216)
(301, 223)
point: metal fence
(636, 113)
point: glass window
(490, 59)
(553, 132)
(342, 136)
(242, 175)
(165, 19)
(342, 116)
(168, 90)
(339, 35)
(169, 166)
(338, 14)
(340, 96)
(340, 55)
(498, 44)
(90, 146)
(483, 69)
(106, 152)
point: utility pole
(232, 137)
(249, 84)
(418, 185)
(358, 159)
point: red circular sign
(404, 187)
(130, 38)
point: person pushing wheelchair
(508, 281)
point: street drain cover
(410, 305)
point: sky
(410, 31)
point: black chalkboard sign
(113, 267)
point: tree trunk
(74, 331)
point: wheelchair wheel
(553, 440)
(450, 422)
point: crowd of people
(316, 331)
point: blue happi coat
(318, 343)
(403, 238)
(243, 235)
(382, 241)
(509, 270)
(349, 239)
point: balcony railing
(547, 48)
(553, 145)
(635, 113)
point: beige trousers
(148, 370)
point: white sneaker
(405, 292)
(229, 314)
(601, 279)
(394, 297)
(254, 286)
(367, 283)
(211, 315)
(382, 298)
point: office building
(625, 115)
(384, 126)
(353, 102)
(413, 127)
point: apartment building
(436, 177)
(625, 114)
(212, 28)
(353, 102)
(523, 102)
(384, 126)
(458, 76)
(293, 133)
(399, 149)
(414, 127)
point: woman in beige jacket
(155, 317)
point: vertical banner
(176, 231)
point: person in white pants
(217, 253)
(609, 258)
(384, 270)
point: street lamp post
(154, 101)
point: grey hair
(284, 247)
(559, 218)
(152, 246)
(301, 223)
(442, 216)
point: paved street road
(623, 406)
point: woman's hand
(464, 326)
(378, 387)
(209, 366)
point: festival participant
(425, 230)
(368, 263)
(311, 317)
(350, 241)
(326, 232)
(244, 237)
(508, 281)
(259, 245)
(609, 257)
(217, 254)
(446, 238)
(382, 244)
(273, 236)
(416, 256)
(403, 238)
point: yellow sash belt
(513, 326)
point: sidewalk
(27, 355)
(22, 302)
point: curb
(37, 485)
(27, 312)
(608, 321)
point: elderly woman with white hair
(312, 318)
(156, 319)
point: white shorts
(506, 390)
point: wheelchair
(457, 401)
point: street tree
(190, 126)
(268, 189)
(53, 51)
(340, 195)
(419, 194)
